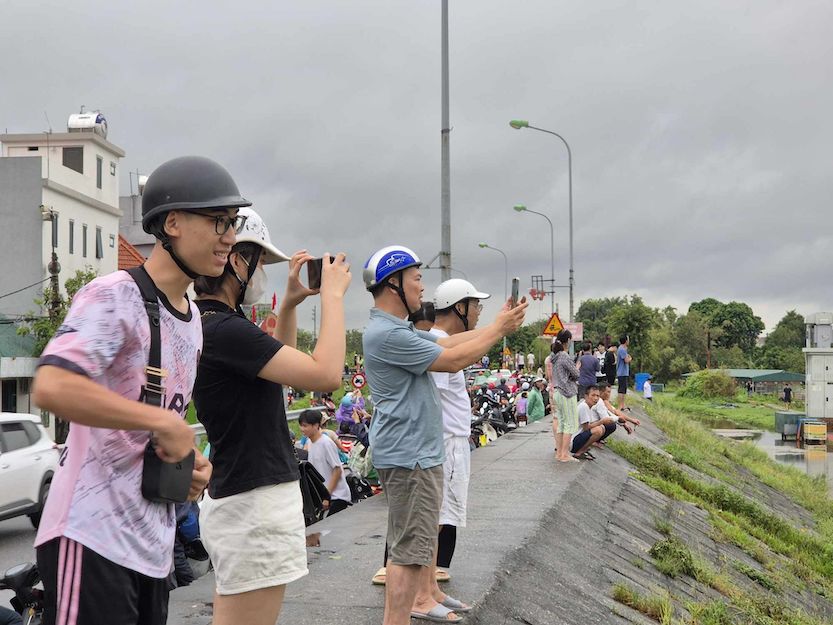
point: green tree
(788, 333)
(44, 325)
(305, 342)
(707, 307)
(637, 321)
(690, 337)
(594, 314)
(738, 324)
(354, 344)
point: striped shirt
(564, 375)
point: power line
(24, 288)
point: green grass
(756, 576)
(656, 606)
(751, 414)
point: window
(32, 432)
(74, 159)
(99, 164)
(84, 240)
(14, 436)
(71, 236)
(112, 240)
(99, 246)
(112, 168)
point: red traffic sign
(359, 380)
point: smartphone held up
(314, 268)
(516, 285)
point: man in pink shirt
(103, 550)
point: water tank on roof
(819, 329)
(88, 122)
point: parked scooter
(27, 600)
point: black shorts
(96, 591)
(623, 385)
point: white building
(61, 189)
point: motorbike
(27, 600)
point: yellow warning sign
(554, 325)
(506, 351)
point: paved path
(515, 483)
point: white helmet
(255, 231)
(455, 290)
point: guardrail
(291, 415)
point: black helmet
(188, 183)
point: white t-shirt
(585, 413)
(323, 455)
(647, 392)
(530, 360)
(454, 400)
(600, 411)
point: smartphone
(314, 272)
(516, 285)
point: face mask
(256, 287)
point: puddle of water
(812, 459)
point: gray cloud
(700, 130)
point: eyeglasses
(222, 223)
(477, 306)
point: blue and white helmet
(386, 262)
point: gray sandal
(438, 614)
(455, 605)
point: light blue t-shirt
(407, 426)
(622, 368)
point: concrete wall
(130, 224)
(21, 234)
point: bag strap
(155, 387)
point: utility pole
(54, 269)
(314, 324)
(445, 175)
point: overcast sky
(700, 131)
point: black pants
(337, 505)
(99, 591)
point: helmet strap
(401, 291)
(166, 244)
(251, 268)
(464, 317)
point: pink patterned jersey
(95, 498)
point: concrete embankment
(545, 544)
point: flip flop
(438, 614)
(570, 459)
(456, 605)
(379, 577)
(442, 576)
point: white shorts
(255, 539)
(456, 474)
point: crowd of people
(124, 367)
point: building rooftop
(762, 375)
(58, 138)
(129, 256)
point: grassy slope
(736, 519)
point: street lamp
(505, 267)
(523, 209)
(517, 124)
(505, 281)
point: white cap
(455, 290)
(255, 231)
(525, 386)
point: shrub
(709, 384)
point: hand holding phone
(516, 285)
(314, 267)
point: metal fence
(291, 415)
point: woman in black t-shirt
(252, 523)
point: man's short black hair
(603, 386)
(310, 417)
(424, 313)
(590, 388)
(623, 339)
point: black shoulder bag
(162, 482)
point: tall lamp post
(517, 124)
(523, 209)
(505, 278)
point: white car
(28, 460)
